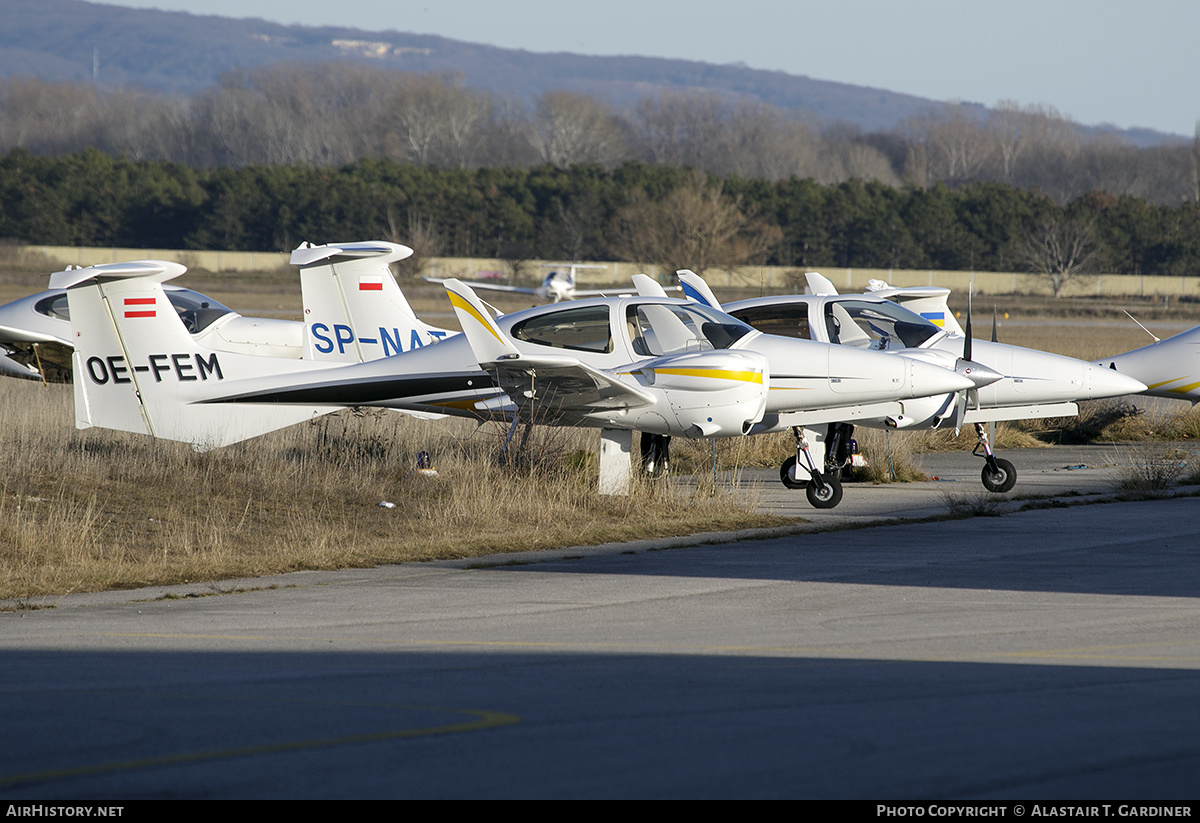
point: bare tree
(438, 122)
(683, 129)
(952, 145)
(696, 226)
(569, 128)
(1059, 249)
(422, 237)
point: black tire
(1001, 479)
(785, 475)
(826, 496)
(656, 455)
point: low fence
(770, 279)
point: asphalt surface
(1049, 652)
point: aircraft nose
(927, 379)
(1102, 382)
(978, 373)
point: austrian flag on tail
(132, 305)
(370, 282)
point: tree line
(649, 212)
(334, 114)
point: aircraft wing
(479, 284)
(563, 385)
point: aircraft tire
(785, 475)
(826, 496)
(1000, 480)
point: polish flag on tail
(370, 282)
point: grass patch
(1150, 469)
(93, 510)
(891, 456)
(975, 505)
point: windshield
(667, 328)
(195, 310)
(876, 325)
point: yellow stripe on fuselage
(1185, 389)
(1163, 383)
(717, 374)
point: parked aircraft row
(151, 358)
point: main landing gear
(823, 489)
(998, 474)
(656, 454)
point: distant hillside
(178, 52)
(174, 51)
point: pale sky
(1097, 61)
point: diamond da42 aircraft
(620, 364)
(1032, 383)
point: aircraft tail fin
(354, 310)
(137, 369)
(927, 301)
(647, 286)
(487, 341)
(695, 288)
(819, 283)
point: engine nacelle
(713, 393)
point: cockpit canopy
(876, 325)
(195, 309)
(867, 324)
(653, 328)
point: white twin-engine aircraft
(620, 364)
(1032, 383)
(557, 285)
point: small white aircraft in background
(35, 331)
(556, 286)
(1035, 384)
(1169, 368)
(345, 287)
(619, 364)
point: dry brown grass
(95, 510)
(1147, 469)
(891, 456)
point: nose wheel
(998, 474)
(823, 490)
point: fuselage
(623, 337)
(1169, 368)
(1030, 379)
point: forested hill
(178, 52)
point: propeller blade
(960, 411)
(967, 341)
(961, 402)
(995, 335)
